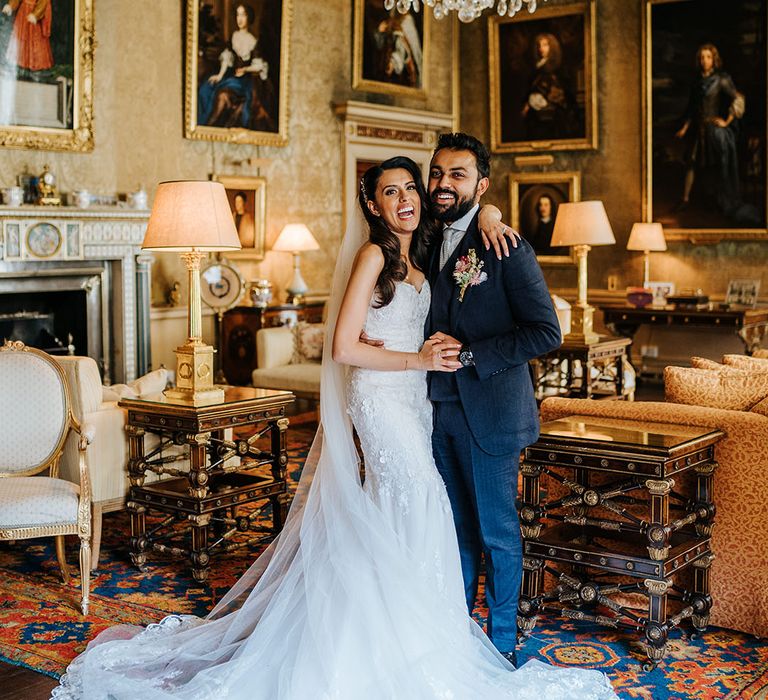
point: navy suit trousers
(482, 489)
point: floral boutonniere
(468, 272)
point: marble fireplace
(77, 279)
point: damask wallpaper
(138, 122)
(613, 172)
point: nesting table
(613, 512)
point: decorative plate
(221, 286)
(43, 240)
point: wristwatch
(466, 357)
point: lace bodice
(400, 324)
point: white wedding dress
(361, 597)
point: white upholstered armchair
(97, 406)
(36, 421)
(289, 358)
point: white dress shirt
(453, 233)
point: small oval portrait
(534, 201)
(538, 209)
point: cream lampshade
(646, 237)
(582, 225)
(192, 217)
(295, 238)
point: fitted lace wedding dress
(361, 596)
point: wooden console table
(206, 497)
(628, 509)
(750, 325)
(554, 373)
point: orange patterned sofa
(739, 576)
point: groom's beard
(455, 211)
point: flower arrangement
(468, 272)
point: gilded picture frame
(534, 198)
(247, 198)
(543, 79)
(390, 51)
(692, 108)
(237, 68)
(46, 77)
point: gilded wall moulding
(394, 134)
(46, 82)
(236, 72)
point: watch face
(465, 357)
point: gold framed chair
(36, 420)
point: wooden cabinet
(238, 334)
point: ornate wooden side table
(207, 496)
(628, 510)
(555, 376)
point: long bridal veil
(334, 608)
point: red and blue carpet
(40, 627)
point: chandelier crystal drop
(467, 10)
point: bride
(361, 596)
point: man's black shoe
(510, 656)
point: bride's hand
(494, 232)
(431, 356)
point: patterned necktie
(451, 238)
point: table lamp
(295, 238)
(582, 225)
(192, 217)
(646, 237)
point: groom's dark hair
(459, 141)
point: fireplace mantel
(47, 243)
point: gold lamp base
(582, 332)
(582, 313)
(194, 376)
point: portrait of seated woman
(240, 93)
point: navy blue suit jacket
(506, 321)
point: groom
(501, 314)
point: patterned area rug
(40, 627)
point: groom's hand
(451, 354)
(373, 342)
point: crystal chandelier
(466, 9)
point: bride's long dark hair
(395, 269)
